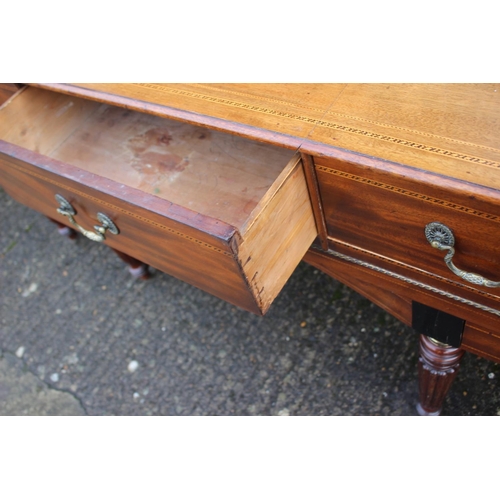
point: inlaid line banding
(407, 192)
(329, 124)
(351, 117)
(121, 210)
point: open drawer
(229, 215)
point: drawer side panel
(281, 234)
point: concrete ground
(78, 336)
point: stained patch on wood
(153, 137)
(151, 158)
(159, 163)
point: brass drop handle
(66, 209)
(441, 237)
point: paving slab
(23, 393)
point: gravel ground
(78, 336)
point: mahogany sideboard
(392, 189)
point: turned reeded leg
(137, 269)
(437, 368)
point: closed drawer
(378, 212)
(223, 213)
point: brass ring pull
(441, 237)
(66, 209)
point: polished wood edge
(479, 352)
(480, 202)
(219, 124)
(185, 216)
(473, 332)
(314, 193)
(418, 177)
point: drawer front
(202, 258)
(380, 215)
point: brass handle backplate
(66, 209)
(441, 237)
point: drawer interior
(230, 215)
(214, 173)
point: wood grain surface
(449, 129)
(279, 235)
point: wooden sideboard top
(447, 129)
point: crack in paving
(23, 393)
